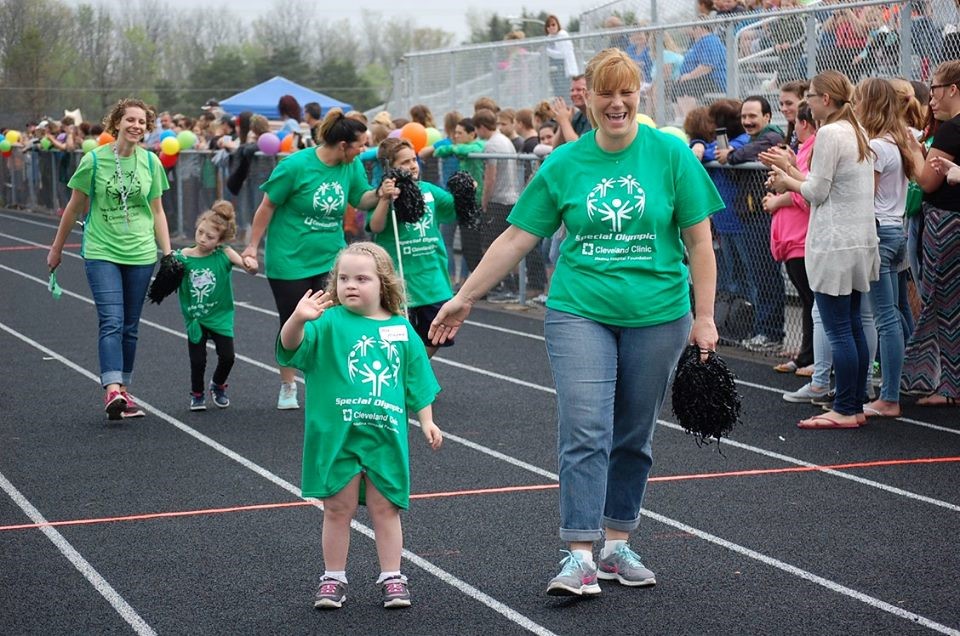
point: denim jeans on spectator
(884, 297)
(611, 382)
(851, 359)
(118, 293)
(731, 278)
(823, 355)
(769, 307)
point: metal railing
(746, 270)
(517, 73)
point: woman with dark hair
(301, 216)
(120, 184)
(932, 363)
(291, 115)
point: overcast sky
(441, 14)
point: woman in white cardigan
(842, 257)
(563, 60)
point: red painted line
(487, 491)
(21, 248)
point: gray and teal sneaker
(331, 594)
(576, 578)
(395, 593)
(624, 566)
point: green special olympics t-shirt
(422, 249)
(361, 376)
(206, 294)
(108, 235)
(306, 231)
(622, 260)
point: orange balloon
(105, 138)
(286, 144)
(416, 134)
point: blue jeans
(823, 356)
(735, 268)
(768, 316)
(611, 382)
(118, 293)
(851, 359)
(885, 297)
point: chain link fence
(754, 295)
(750, 53)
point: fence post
(659, 83)
(906, 41)
(813, 45)
(733, 68)
(176, 176)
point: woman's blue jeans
(885, 298)
(851, 359)
(611, 382)
(118, 292)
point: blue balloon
(167, 133)
(281, 134)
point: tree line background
(55, 56)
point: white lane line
(269, 312)
(786, 567)
(546, 389)
(807, 576)
(448, 578)
(100, 584)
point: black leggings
(287, 293)
(797, 272)
(198, 359)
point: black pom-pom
(464, 190)
(409, 204)
(168, 278)
(705, 397)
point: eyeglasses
(809, 95)
(933, 87)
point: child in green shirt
(206, 300)
(364, 367)
(416, 248)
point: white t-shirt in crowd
(890, 198)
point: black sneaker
(825, 401)
(330, 595)
(395, 593)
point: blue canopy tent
(262, 99)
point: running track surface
(188, 522)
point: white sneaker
(288, 397)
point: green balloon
(187, 139)
(5, 145)
(88, 145)
(45, 143)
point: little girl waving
(206, 301)
(364, 367)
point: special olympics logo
(616, 200)
(374, 362)
(329, 198)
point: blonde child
(421, 245)
(364, 368)
(206, 301)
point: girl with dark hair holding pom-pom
(301, 216)
(120, 184)
(421, 248)
(632, 199)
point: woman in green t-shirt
(618, 315)
(120, 184)
(301, 217)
